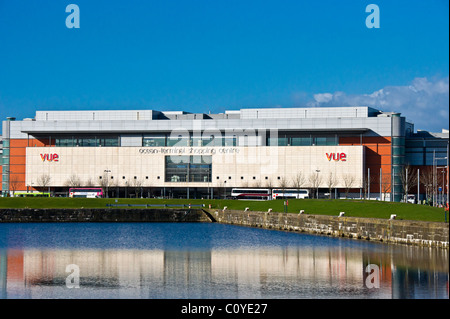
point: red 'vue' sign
(337, 157)
(50, 157)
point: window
(325, 141)
(188, 168)
(280, 141)
(154, 141)
(301, 141)
(86, 141)
(178, 141)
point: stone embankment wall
(431, 234)
(28, 215)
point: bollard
(246, 209)
(341, 214)
(393, 216)
(302, 212)
(225, 208)
(269, 210)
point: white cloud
(323, 97)
(425, 101)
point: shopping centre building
(337, 151)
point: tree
(283, 184)
(331, 182)
(298, 180)
(367, 181)
(105, 183)
(349, 182)
(408, 177)
(426, 179)
(136, 184)
(14, 184)
(43, 181)
(257, 184)
(149, 186)
(314, 181)
(268, 184)
(385, 184)
(89, 182)
(73, 181)
(244, 184)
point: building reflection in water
(292, 272)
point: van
(409, 199)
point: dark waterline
(202, 260)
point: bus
(290, 193)
(86, 192)
(250, 193)
(36, 194)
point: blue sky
(216, 55)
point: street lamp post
(107, 181)
(435, 177)
(317, 183)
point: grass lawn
(355, 208)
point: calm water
(197, 260)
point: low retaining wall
(431, 234)
(29, 215)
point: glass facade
(154, 141)
(194, 141)
(188, 169)
(303, 141)
(88, 141)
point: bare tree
(14, 184)
(105, 183)
(114, 187)
(43, 181)
(244, 184)
(367, 182)
(314, 181)
(89, 182)
(136, 184)
(408, 177)
(283, 184)
(385, 184)
(149, 187)
(426, 179)
(349, 182)
(73, 181)
(298, 180)
(268, 184)
(331, 182)
(257, 184)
